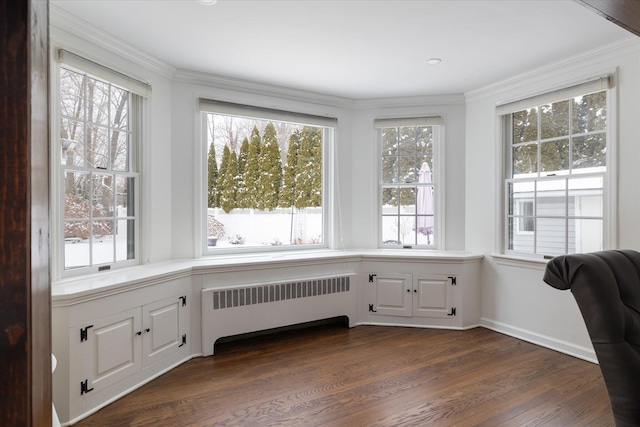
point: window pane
(585, 235)
(389, 169)
(72, 142)
(424, 140)
(265, 181)
(389, 142)
(76, 244)
(390, 230)
(120, 151)
(103, 196)
(119, 104)
(554, 157)
(407, 169)
(550, 236)
(551, 198)
(124, 196)
(97, 147)
(125, 240)
(72, 86)
(389, 198)
(408, 200)
(102, 242)
(590, 113)
(97, 102)
(76, 194)
(589, 152)
(407, 141)
(554, 120)
(525, 126)
(587, 197)
(408, 230)
(525, 159)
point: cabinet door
(393, 294)
(432, 296)
(110, 352)
(163, 328)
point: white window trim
(329, 169)
(439, 179)
(610, 199)
(72, 61)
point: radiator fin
(261, 294)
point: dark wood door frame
(25, 294)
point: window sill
(521, 262)
(93, 286)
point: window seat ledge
(92, 286)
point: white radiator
(228, 311)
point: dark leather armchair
(606, 286)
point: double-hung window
(410, 179)
(267, 175)
(557, 165)
(96, 167)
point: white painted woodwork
(432, 296)
(164, 322)
(393, 294)
(112, 350)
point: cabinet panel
(432, 296)
(162, 328)
(393, 294)
(112, 351)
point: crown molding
(62, 20)
(409, 101)
(256, 88)
(612, 51)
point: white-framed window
(95, 167)
(266, 176)
(557, 163)
(410, 180)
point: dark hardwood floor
(330, 375)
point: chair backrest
(606, 286)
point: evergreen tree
(212, 174)
(304, 178)
(222, 172)
(290, 171)
(229, 184)
(252, 171)
(270, 179)
(241, 194)
(315, 137)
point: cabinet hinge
(371, 276)
(453, 312)
(84, 333)
(183, 299)
(371, 309)
(453, 280)
(184, 340)
(84, 388)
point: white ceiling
(357, 49)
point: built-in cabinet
(118, 341)
(406, 295)
(433, 291)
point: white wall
(514, 297)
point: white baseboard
(580, 352)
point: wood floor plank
(330, 375)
